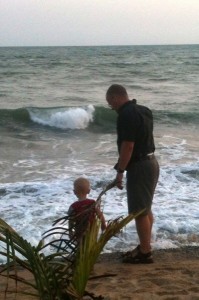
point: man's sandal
(131, 252)
(139, 258)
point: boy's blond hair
(82, 185)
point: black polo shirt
(135, 124)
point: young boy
(83, 211)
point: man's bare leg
(144, 226)
(150, 214)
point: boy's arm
(101, 217)
(70, 221)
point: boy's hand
(103, 226)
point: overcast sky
(98, 22)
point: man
(136, 155)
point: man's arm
(126, 151)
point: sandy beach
(174, 275)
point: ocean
(55, 126)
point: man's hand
(118, 180)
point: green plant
(62, 274)
(49, 280)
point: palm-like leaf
(91, 248)
(86, 252)
(62, 275)
(49, 277)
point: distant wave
(165, 117)
(64, 118)
(98, 118)
(8, 116)
(57, 117)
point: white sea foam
(71, 118)
(32, 207)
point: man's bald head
(116, 96)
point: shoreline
(173, 275)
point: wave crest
(71, 118)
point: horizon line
(103, 45)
